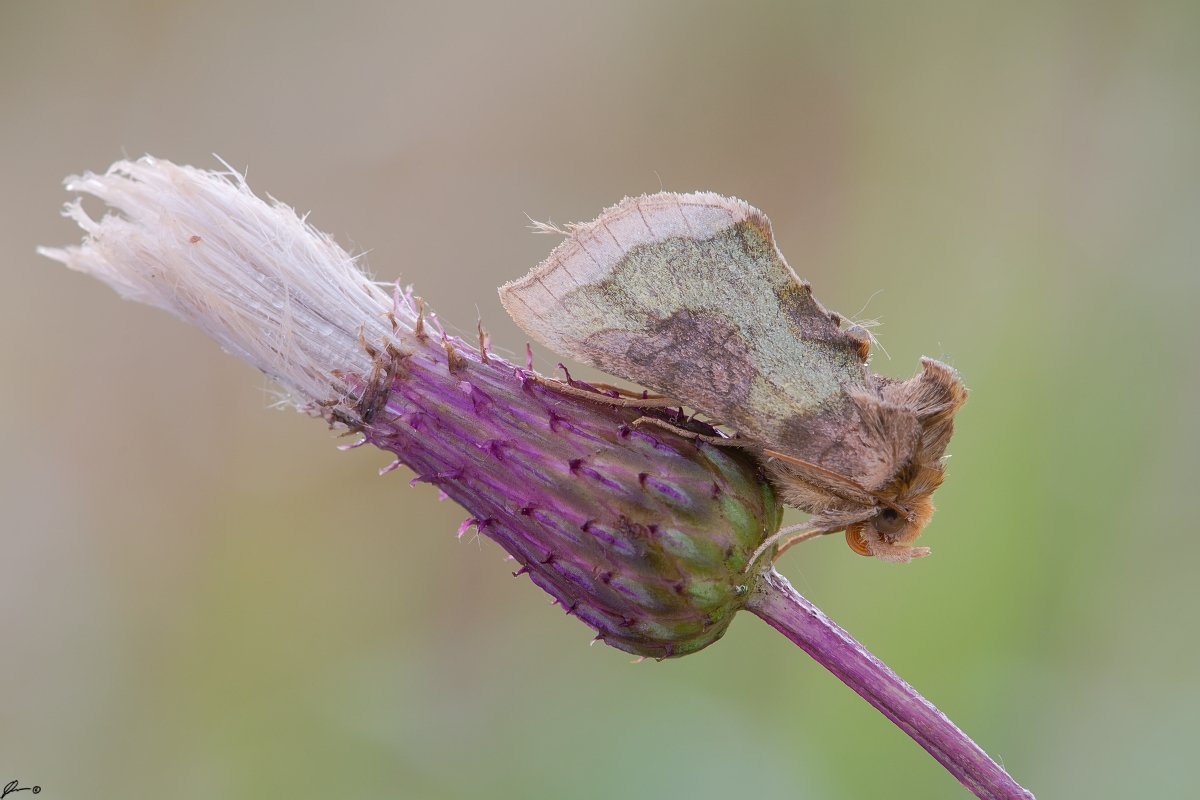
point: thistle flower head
(646, 534)
(255, 276)
(642, 532)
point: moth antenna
(798, 533)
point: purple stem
(787, 611)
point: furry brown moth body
(688, 295)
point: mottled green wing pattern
(689, 296)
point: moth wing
(687, 294)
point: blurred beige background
(201, 597)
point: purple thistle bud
(642, 533)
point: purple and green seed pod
(642, 533)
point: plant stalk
(790, 613)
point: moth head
(885, 520)
(883, 524)
(905, 504)
(890, 532)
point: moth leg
(719, 441)
(792, 536)
(802, 536)
(608, 387)
(600, 397)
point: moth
(688, 295)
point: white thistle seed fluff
(253, 275)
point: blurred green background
(202, 597)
